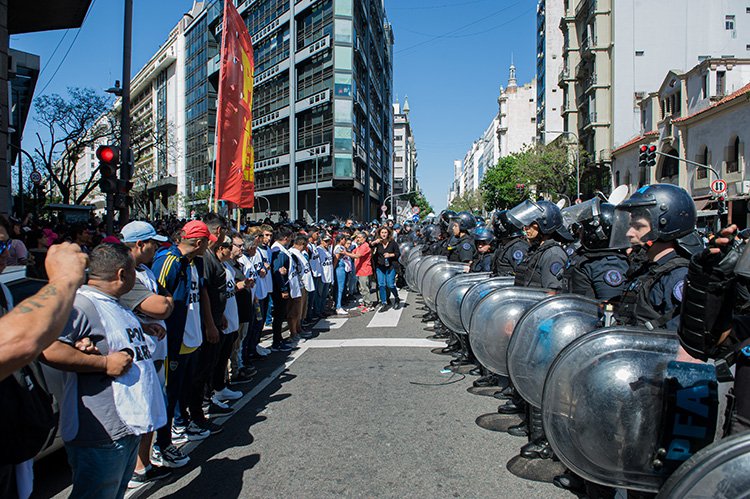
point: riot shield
(411, 269)
(721, 471)
(494, 320)
(475, 294)
(435, 277)
(451, 294)
(404, 248)
(423, 266)
(547, 328)
(618, 409)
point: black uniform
(462, 249)
(597, 274)
(482, 263)
(543, 267)
(508, 256)
(653, 293)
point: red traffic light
(651, 148)
(644, 148)
(107, 154)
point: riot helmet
(545, 214)
(446, 217)
(668, 209)
(483, 234)
(596, 230)
(503, 227)
(466, 221)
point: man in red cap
(177, 272)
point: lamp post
(316, 189)
(578, 157)
(392, 196)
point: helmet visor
(581, 212)
(525, 214)
(620, 227)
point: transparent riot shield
(547, 328)
(451, 294)
(423, 266)
(411, 269)
(435, 277)
(405, 248)
(720, 471)
(494, 320)
(475, 294)
(619, 410)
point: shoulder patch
(678, 290)
(466, 246)
(518, 256)
(613, 277)
(570, 250)
(555, 268)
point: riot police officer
(483, 239)
(447, 218)
(512, 245)
(653, 220)
(461, 247)
(542, 223)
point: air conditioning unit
(743, 187)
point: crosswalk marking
(374, 342)
(391, 317)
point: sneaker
(149, 474)
(249, 371)
(192, 431)
(261, 350)
(397, 305)
(218, 408)
(306, 335)
(283, 347)
(171, 457)
(241, 377)
(227, 394)
(384, 308)
(213, 428)
(341, 311)
(179, 437)
(265, 350)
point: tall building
(404, 150)
(517, 115)
(549, 60)
(322, 118)
(635, 43)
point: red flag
(235, 177)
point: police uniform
(543, 267)
(483, 263)
(654, 293)
(508, 256)
(597, 274)
(462, 249)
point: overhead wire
(442, 6)
(49, 59)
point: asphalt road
(356, 412)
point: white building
(549, 61)
(517, 115)
(634, 44)
(702, 115)
(404, 150)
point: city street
(360, 410)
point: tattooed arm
(37, 321)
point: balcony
(585, 8)
(588, 119)
(270, 27)
(312, 49)
(270, 118)
(589, 83)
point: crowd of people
(173, 312)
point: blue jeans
(103, 471)
(340, 284)
(386, 283)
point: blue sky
(451, 56)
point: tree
(418, 199)
(72, 125)
(499, 185)
(471, 201)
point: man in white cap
(152, 304)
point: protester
(281, 263)
(386, 254)
(343, 266)
(363, 270)
(326, 277)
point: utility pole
(125, 159)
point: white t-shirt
(307, 279)
(345, 259)
(326, 264)
(249, 271)
(230, 311)
(158, 347)
(315, 266)
(267, 281)
(193, 336)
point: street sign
(384, 208)
(36, 177)
(719, 186)
(415, 210)
(415, 218)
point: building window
(721, 82)
(733, 158)
(729, 23)
(639, 53)
(704, 89)
(702, 173)
(617, 178)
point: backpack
(28, 419)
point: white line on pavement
(374, 342)
(391, 317)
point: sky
(451, 56)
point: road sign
(719, 186)
(415, 210)
(415, 218)
(36, 177)
(384, 208)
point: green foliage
(498, 186)
(471, 201)
(418, 199)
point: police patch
(570, 250)
(677, 290)
(466, 246)
(518, 256)
(613, 278)
(556, 268)
(173, 364)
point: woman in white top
(342, 263)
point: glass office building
(321, 114)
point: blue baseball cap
(140, 231)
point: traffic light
(721, 205)
(643, 156)
(109, 160)
(122, 200)
(651, 159)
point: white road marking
(391, 317)
(330, 323)
(374, 342)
